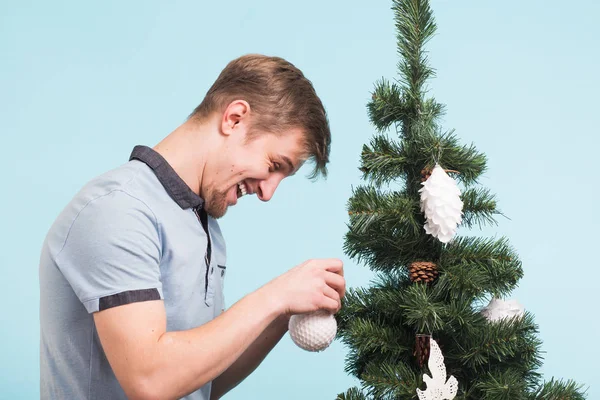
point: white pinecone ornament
(441, 203)
(499, 309)
(313, 331)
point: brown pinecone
(423, 271)
(421, 351)
(425, 173)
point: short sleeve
(111, 255)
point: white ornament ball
(313, 331)
(441, 203)
(499, 309)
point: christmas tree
(433, 287)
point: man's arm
(250, 359)
(151, 363)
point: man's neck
(184, 152)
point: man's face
(253, 167)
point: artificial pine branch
(373, 303)
(353, 393)
(466, 159)
(382, 161)
(356, 302)
(391, 280)
(391, 211)
(385, 250)
(420, 309)
(415, 26)
(502, 345)
(390, 381)
(479, 207)
(506, 385)
(369, 335)
(387, 105)
(357, 362)
(559, 390)
(491, 265)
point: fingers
(315, 283)
(331, 300)
(332, 294)
(329, 264)
(335, 265)
(337, 282)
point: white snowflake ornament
(437, 386)
(499, 309)
(441, 203)
(313, 331)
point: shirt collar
(179, 191)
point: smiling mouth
(242, 190)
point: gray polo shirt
(136, 233)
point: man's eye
(276, 166)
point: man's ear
(235, 117)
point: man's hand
(313, 285)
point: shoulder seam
(97, 198)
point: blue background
(81, 83)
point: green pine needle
(479, 207)
(559, 390)
(353, 393)
(382, 161)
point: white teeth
(242, 187)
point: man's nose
(267, 187)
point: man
(131, 272)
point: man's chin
(216, 212)
(217, 216)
